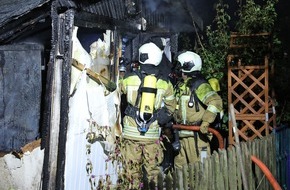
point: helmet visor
(187, 66)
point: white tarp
(92, 111)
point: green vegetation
(256, 18)
(250, 18)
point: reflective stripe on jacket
(164, 96)
(208, 109)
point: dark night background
(206, 10)
(280, 79)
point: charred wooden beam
(113, 67)
(90, 20)
(61, 57)
(68, 24)
(24, 24)
(110, 86)
(48, 104)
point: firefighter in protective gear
(122, 71)
(198, 104)
(140, 145)
(123, 100)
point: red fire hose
(267, 173)
(196, 128)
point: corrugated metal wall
(124, 10)
(93, 117)
(90, 112)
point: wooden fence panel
(204, 174)
(247, 163)
(239, 174)
(257, 172)
(251, 176)
(272, 150)
(209, 180)
(217, 174)
(266, 159)
(198, 173)
(224, 167)
(233, 182)
(221, 171)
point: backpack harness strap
(133, 111)
(193, 101)
(193, 97)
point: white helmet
(122, 68)
(189, 61)
(150, 53)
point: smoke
(180, 12)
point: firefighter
(198, 105)
(122, 71)
(123, 103)
(151, 104)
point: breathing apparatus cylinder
(148, 98)
(214, 83)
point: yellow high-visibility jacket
(164, 97)
(212, 105)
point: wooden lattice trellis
(248, 91)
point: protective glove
(204, 127)
(176, 144)
(163, 116)
(209, 136)
(169, 125)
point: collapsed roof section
(20, 18)
(136, 15)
